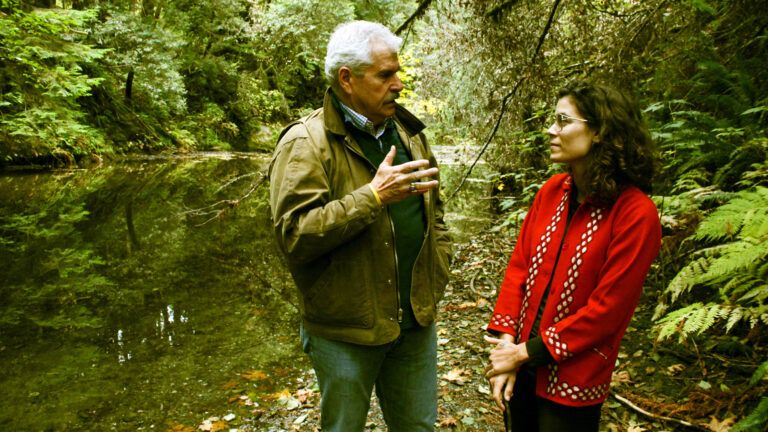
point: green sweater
(407, 215)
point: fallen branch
(218, 208)
(628, 403)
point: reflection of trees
(68, 234)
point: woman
(577, 270)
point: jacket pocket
(440, 271)
(341, 297)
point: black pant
(528, 413)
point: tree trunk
(129, 87)
(43, 3)
(133, 244)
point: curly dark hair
(625, 154)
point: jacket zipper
(392, 230)
(397, 269)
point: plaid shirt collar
(362, 123)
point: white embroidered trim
(538, 259)
(569, 286)
(574, 392)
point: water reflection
(140, 292)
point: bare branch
(494, 12)
(418, 13)
(628, 403)
(506, 98)
(218, 208)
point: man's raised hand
(398, 182)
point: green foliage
(44, 78)
(756, 421)
(50, 255)
(759, 374)
(734, 272)
(151, 53)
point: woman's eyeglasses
(562, 120)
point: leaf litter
(660, 381)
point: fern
(761, 371)
(756, 421)
(730, 278)
(747, 210)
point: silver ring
(412, 187)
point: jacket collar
(334, 120)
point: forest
(88, 83)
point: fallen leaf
(180, 428)
(455, 376)
(219, 426)
(254, 375)
(289, 402)
(721, 426)
(675, 369)
(230, 385)
(304, 394)
(620, 377)
(285, 393)
(449, 421)
(635, 428)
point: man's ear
(345, 79)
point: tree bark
(129, 86)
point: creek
(136, 295)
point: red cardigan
(595, 288)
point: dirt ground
(656, 386)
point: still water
(136, 296)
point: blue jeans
(404, 373)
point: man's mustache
(392, 97)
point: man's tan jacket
(339, 242)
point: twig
(223, 204)
(506, 98)
(494, 12)
(628, 403)
(419, 12)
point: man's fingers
(422, 186)
(390, 157)
(411, 166)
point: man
(356, 210)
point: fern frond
(748, 209)
(697, 318)
(735, 258)
(756, 420)
(736, 315)
(672, 322)
(761, 371)
(757, 293)
(687, 278)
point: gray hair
(350, 45)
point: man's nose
(397, 85)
